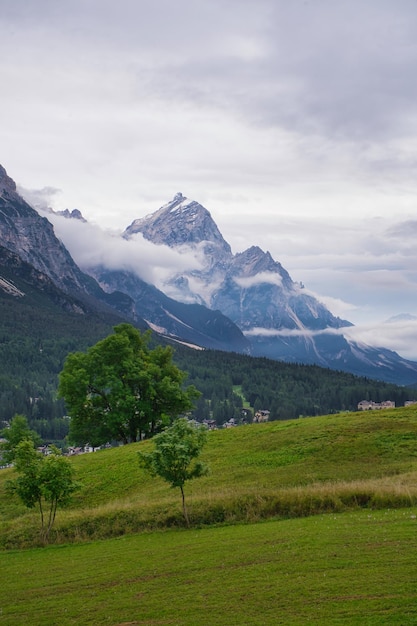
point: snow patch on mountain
(10, 289)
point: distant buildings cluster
(369, 405)
(260, 416)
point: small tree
(174, 454)
(42, 480)
(15, 433)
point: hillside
(39, 330)
(287, 390)
(49, 307)
(279, 470)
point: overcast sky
(293, 122)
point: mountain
(19, 279)
(245, 302)
(181, 221)
(32, 238)
(278, 316)
(402, 317)
(250, 287)
(192, 324)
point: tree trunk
(184, 508)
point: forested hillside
(286, 390)
(39, 330)
(36, 335)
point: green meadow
(306, 521)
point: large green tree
(122, 390)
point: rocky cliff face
(192, 324)
(183, 222)
(32, 237)
(20, 279)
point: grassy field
(307, 521)
(350, 568)
(276, 470)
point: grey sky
(294, 123)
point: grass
(334, 498)
(261, 471)
(237, 389)
(351, 568)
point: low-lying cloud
(92, 247)
(261, 278)
(399, 336)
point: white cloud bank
(261, 278)
(90, 246)
(399, 336)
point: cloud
(337, 306)
(261, 278)
(399, 336)
(267, 99)
(39, 198)
(90, 247)
(257, 331)
(403, 230)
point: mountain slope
(32, 238)
(281, 320)
(39, 325)
(188, 323)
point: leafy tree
(120, 389)
(15, 433)
(174, 456)
(42, 480)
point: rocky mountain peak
(6, 183)
(75, 214)
(180, 222)
(254, 260)
(250, 287)
(24, 232)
